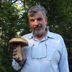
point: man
(46, 51)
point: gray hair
(35, 9)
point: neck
(42, 36)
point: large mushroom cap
(16, 41)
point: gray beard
(38, 33)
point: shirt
(47, 55)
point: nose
(36, 22)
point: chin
(39, 33)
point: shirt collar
(31, 35)
(49, 35)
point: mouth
(37, 27)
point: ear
(29, 19)
(46, 19)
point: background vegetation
(13, 19)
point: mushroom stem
(19, 55)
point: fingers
(15, 50)
(14, 53)
(23, 57)
(14, 57)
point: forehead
(38, 14)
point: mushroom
(19, 42)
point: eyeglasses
(39, 53)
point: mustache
(37, 26)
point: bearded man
(46, 51)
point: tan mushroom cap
(17, 41)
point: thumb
(23, 56)
(22, 52)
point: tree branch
(15, 1)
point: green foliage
(12, 21)
(8, 21)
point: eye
(39, 19)
(32, 20)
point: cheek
(31, 25)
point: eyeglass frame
(42, 57)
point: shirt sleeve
(63, 63)
(15, 65)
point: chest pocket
(38, 51)
(53, 55)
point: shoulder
(57, 40)
(27, 35)
(55, 36)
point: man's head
(37, 19)
(36, 9)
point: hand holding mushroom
(18, 61)
(18, 42)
